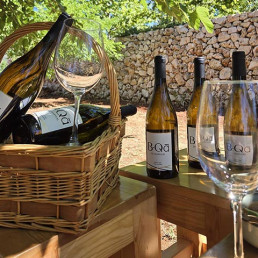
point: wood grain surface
(190, 201)
(127, 221)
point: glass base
(73, 143)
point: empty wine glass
(78, 61)
(227, 142)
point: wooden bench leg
(126, 252)
(181, 249)
(146, 232)
(219, 226)
(198, 241)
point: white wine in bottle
(22, 80)
(161, 129)
(239, 121)
(199, 77)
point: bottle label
(192, 147)
(56, 119)
(208, 141)
(159, 150)
(239, 149)
(5, 100)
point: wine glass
(227, 142)
(79, 61)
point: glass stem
(238, 233)
(74, 137)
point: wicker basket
(59, 188)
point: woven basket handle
(114, 118)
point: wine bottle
(199, 77)
(51, 127)
(239, 126)
(161, 129)
(22, 80)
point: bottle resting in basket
(239, 127)
(22, 80)
(199, 77)
(161, 128)
(55, 126)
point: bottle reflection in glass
(236, 173)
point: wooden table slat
(122, 221)
(191, 200)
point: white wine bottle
(22, 80)
(239, 121)
(54, 126)
(161, 129)
(199, 78)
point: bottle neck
(56, 27)
(50, 39)
(198, 82)
(238, 66)
(160, 74)
(199, 72)
(238, 77)
(160, 82)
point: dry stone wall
(181, 45)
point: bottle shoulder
(161, 118)
(163, 107)
(195, 99)
(192, 110)
(239, 114)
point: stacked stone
(181, 45)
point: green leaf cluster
(118, 17)
(195, 12)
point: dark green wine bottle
(54, 126)
(22, 80)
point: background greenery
(118, 17)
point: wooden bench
(126, 226)
(193, 203)
(225, 249)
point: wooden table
(125, 227)
(191, 201)
(225, 249)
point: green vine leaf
(203, 15)
(181, 13)
(171, 8)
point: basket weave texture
(59, 188)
